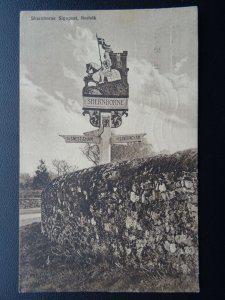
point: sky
(162, 47)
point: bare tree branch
(91, 152)
(119, 152)
(62, 167)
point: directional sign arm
(80, 139)
(129, 138)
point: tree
(25, 181)
(62, 167)
(91, 152)
(119, 152)
(41, 177)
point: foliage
(25, 181)
(41, 177)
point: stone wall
(141, 212)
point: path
(30, 215)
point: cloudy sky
(162, 60)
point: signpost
(105, 101)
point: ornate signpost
(105, 100)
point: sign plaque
(129, 138)
(81, 139)
(105, 103)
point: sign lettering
(81, 139)
(127, 138)
(105, 103)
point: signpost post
(105, 145)
(106, 102)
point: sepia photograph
(108, 190)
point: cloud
(76, 78)
(162, 131)
(42, 119)
(180, 64)
(173, 94)
(33, 94)
(84, 44)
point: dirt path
(29, 216)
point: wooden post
(105, 143)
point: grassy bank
(46, 267)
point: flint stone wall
(141, 212)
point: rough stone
(139, 212)
(170, 247)
(134, 197)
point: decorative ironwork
(94, 117)
(116, 118)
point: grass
(46, 267)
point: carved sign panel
(105, 103)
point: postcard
(108, 151)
